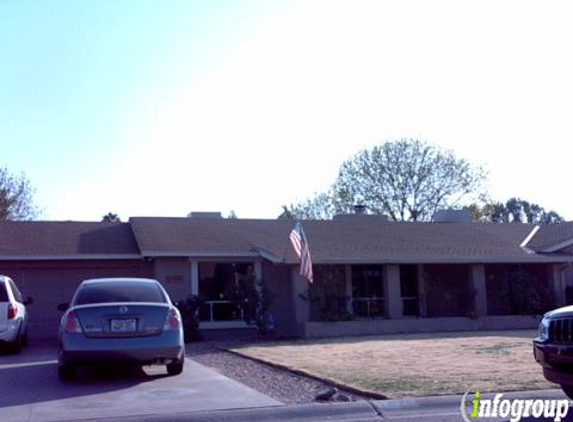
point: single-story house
(370, 275)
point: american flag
(298, 240)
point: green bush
(189, 309)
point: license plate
(123, 325)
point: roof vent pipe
(203, 214)
(452, 216)
(359, 209)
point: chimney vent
(452, 216)
(359, 209)
(204, 214)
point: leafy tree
(515, 210)
(406, 180)
(16, 197)
(111, 218)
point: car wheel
(25, 339)
(568, 390)
(66, 371)
(175, 368)
(16, 346)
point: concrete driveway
(31, 391)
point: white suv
(13, 315)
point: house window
(216, 284)
(409, 290)
(368, 291)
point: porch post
(194, 277)
(258, 270)
(348, 288)
(421, 290)
(300, 300)
(558, 285)
(392, 291)
(479, 288)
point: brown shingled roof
(357, 239)
(29, 239)
(349, 240)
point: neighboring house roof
(352, 239)
(356, 239)
(66, 240)
(553, 237)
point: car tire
(175, 368)
(25, 339)
(66, 372)
(16, 346)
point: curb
(453, 402)
(333, 412)
(354, 390)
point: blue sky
(164, 107)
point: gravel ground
(277, 383)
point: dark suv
(553, 348)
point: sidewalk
(438, 409)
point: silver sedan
(120, 320)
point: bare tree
(320, 207)
(408, 180)
(16, 194)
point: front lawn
(414, 364)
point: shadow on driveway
(32, 377)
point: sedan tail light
(173, 321)
(12, 311)
(71, 323)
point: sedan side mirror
(28, 301)
(63, 307)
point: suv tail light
(173, 321)
(12, 311)
(71, 323)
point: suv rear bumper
(556, 360)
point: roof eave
(558, 246)
(195, 254)
(475, 260)
(72, 257)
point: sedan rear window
(3, 293)
(119, 292)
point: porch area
(347, 300)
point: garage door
(51, 284)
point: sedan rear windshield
(119, 292)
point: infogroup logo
(515, 409)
